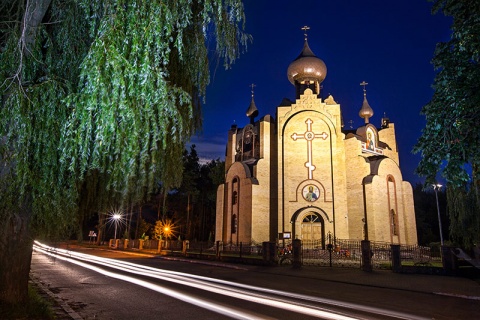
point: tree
(97, 101)
(450, 141)
(426, 215)
(212, 174)
(192, 205)
(191, 173)
(144, 228)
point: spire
(366, 111)
(252, 110)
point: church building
(302, 175)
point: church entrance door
(311, 231)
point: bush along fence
(364, 254)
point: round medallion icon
(310, 193)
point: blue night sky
(387, 43)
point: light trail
(222, 287)
(203, 303)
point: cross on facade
(309, 135)
(252, 86)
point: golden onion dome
(366, 112)
(307, 67)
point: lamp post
(116, 218)
(166, 233)
(437, 187)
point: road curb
(74, 315)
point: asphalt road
(92, 295)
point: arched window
(234, 197)
(394, 221)
(234, 223)
(311, 218)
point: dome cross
(305, 28)
(364, 84)
(252, 86)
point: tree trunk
(80, 227)
(130, 217)
(164, 208)
(16, 243)
(34, 13)
(139, 218)
(101, 228)
(16, 238)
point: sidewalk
(434, 284)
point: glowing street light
(165, 229)
(116, 218)
(437, 187)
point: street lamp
(437, 187)
(116, 218)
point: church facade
(303, 176)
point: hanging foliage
(465, 221)
(107, 94)
(98, 98)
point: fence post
(366, 256)
(330, 249)
(449, 260)
(297, 253)
(185, 245)
(396, 260)
(241, 246)
(268, 251)
(217, 252)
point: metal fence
(241, 249)
(348, 253)
(224, 249)
(418, 255)
(337, 253)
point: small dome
(252, 110)
(307, 67)
(366, 111)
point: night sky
(389, 44)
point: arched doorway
(309, 226)
(311, 230)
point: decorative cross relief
(309, 100)
(309, 135)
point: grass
(436, 264)
(37, 307)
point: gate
(339, 253)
